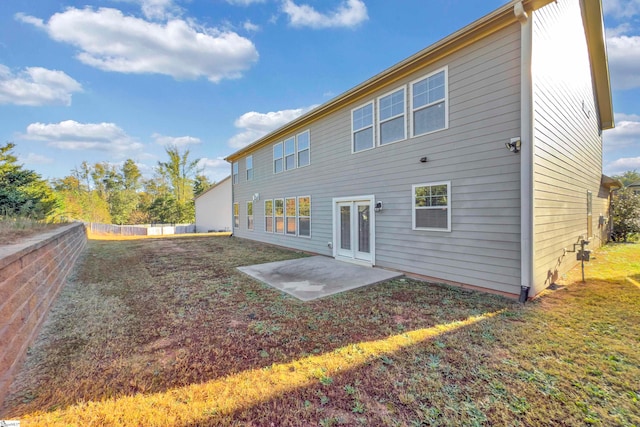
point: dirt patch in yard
(168, 332)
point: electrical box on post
(583, 255)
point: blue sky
(116, 79)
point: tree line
(103, 192)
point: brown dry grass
(167, 332)
(13, 230)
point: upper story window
(429, 103)
(277, 158)
(235, 172)
(303, 149)
(249, 165)
(290, 153)
(362, 128)
(391, 117)
(432, 206)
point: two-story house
(476, 161)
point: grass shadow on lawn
(147, 316)
(210, 346)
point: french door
(354, 230)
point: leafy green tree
(179, 172)
(131, 175)
(201, 184)
(626, 214)
(78, 203)
(23, 192)
(629, 177)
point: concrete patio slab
(316, 276)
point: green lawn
(167, 332)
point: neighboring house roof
(608, 182)
(495, 21)
(212, 187)
(634, 185)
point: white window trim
(247, 159)
(281, 144)
(265, 216)
(373, 126)
(446, 101)
(379, 122)
(308, 149)
(413, 206)
(234, 173)
(298, 216)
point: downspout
(526, 153)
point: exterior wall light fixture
(513, 145)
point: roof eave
(596, 42)
(610, 183)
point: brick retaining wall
(31, 276)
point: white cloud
(215, 169)
(250, 27)
(255, 125)
(621, 29)
(244, 2)
(624, 61)
(620, 166)
(110, 41)
(36, 86)
(625, 134)
(71, 135)
(158, 9)
(36, 159)
(179, 141)
(349, 14)
(621, 8)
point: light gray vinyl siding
(568, 147)
(483, 247)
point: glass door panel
(364, 231)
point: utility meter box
(584, 255)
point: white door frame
(372, 230)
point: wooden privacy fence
(140, 230)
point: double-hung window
(249, 164)
(362, 128)
(303, 149)
(290, 210)
(268, 216)
(277, 158)
(432, 206)
(429, 103)
(304, 216)
(235, 172)
(279, 215)
(391, 117)
(236, 215)
(249, 215)
(290, 153)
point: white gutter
(526, 153)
